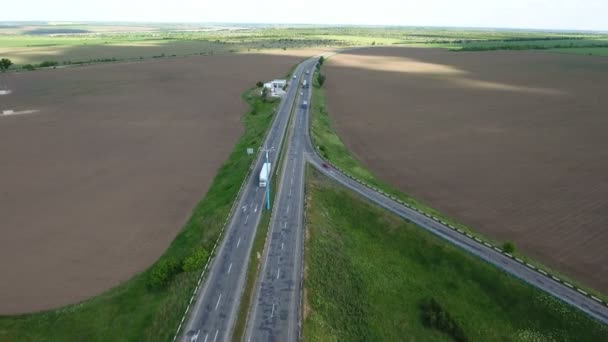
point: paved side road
(214, 310)
(528, 273)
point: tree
(321, 60)
(5, 63)
(264, 94)
(260, 84)
(321, 79)
(508, 247)
(374, 43)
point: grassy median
(150, 306)
(371, 276)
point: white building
(276, 87)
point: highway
(275, 311)
(275, 314)
(213, 308)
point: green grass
(168, 40)
(601, 41)
(132, 312)
(589, 51)
(367, 273)
(332, 148)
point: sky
(532, 14)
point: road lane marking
(596, 299)
(543, 272)
(278, 273)
(581, 291)
(229, 268)
(288, 208)
(555, 278)
(281, 245)
(215, 338)
(246, 218)
(518, 259)
(272, 313)
(218, 301)
(238, 243)
(569, 285)
(532, 267)
(256, 209)
(290, 191)
(206, 336)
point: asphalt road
(275, 311)
(213, 313)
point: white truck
(304, 84)
(265, 175)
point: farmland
(98, 182)
(81, 43)
(511, 144)
(370, 276)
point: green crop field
(135, 310)
(75, 43)
(370, 276)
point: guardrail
(450, 226)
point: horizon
(586, 15)
(290, 25)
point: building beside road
(276, 87)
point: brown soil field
(513, 144)
(96, 184)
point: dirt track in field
(95, 185)
(514, 144)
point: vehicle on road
(264, 175)
(307, 72)
(325, 165)
(294, 76)
(304, 104)
(304, 84)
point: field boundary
(547, 274)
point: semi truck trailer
(264, 175)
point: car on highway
(307, 72)
(304, 104)
(325, 165)
(294, 76)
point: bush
(195, 260)
(28, 67)
(508, 247)
(321, 79)
(47, 64)
(162, 273)
(259, 84)
(435, 317)
(321, 60)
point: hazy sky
(547, 14)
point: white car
(294, 76)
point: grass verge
(331, 147)
(134, 311)
(371, 276)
